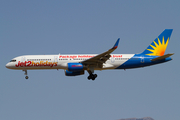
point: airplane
(76, 64)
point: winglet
(116, 44)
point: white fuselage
(27, 62)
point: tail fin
(158, 46)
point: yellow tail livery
(159, 45)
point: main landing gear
(92, 76)
(25, 74)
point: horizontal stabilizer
(162, 57)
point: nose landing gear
(26, 77)
(25, 74)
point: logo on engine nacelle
(76, 65)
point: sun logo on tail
(158, 49)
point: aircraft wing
(99, 59)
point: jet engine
(73, 73)
(75, 67)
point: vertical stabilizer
(159, 45)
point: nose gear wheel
(25, 74)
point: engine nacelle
(73, 73)
(75, 67)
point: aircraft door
(56, 59)
(112, 59)
(142, 59)
(23, 59)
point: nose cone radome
(8, 66)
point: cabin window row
(38, 59)
(80, 59)
(126, 58)
(63, 59)
(74, 59)
(121, 58)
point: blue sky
(79, 27)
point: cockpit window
(13, 61)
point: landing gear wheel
(26, 77)
(92, 76)
(25, 74)
(95, 75)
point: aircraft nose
(7, 65)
